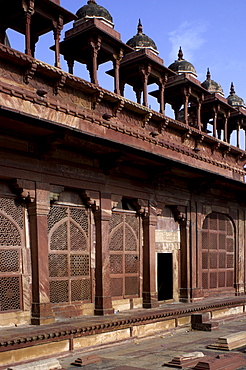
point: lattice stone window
(69, 255)
(11, 245)
(217, 252)
(124, 255)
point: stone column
(38, 211)
(28, 17)
(58, 26)
(215, 112)
(145, 72)
(199, 104)
(239, 250)
(226, 129)
(186, 95)
(150, 297)
(238, 133)
(162, 84)
(138, 92)
(116, 62)
(70, 64)
(103, 301)
(95, 45)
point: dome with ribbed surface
(142, 41)
(235, 100)
(93, 10)
(211, 85)
(182, 66)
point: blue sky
(211, 34)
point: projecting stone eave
(148, 134)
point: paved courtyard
(152, 353)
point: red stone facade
(108, 205)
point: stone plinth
(232, 341)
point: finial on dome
(140, 27)
(232, 92)
(208, 74)
(91, 2)
(180, 54)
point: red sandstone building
(105, 204)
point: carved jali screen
(11, 248)
(218, 247)
(69, 254)
(124, 255)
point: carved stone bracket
(226, 151)
(241, 157)
(163, 125)
(60, 82)
(25, 189)
(55, 193)
(179, 213)
(186, 135)
(146, 119)
(91, 199)
(142, 207)
(30, 71)
(96, 99)
(215, 146)
(118, 107)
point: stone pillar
(186, 95)
(162, 84)
(180, 216)
(215, 111)
(95, 45)
(103, 301)
(226, 129)
(58, 26)
(116, 62)
(138, 92)
(238, 133)
(38, 211)
(176, 109)
(199, 104)
(28, 17)
(2, 35)
(145, 72)
(150, 297)
(70, 64)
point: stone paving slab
(152, 353)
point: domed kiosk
(211, 85)
(93, 41)
(142, 41)
(234, 99)
(182, 66)
(93, 10)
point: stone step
(185, 360)
(229, 361)
(230, 342)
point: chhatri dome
(182, 66)
(93, 10)
(142, 41)
(235, 100)
(211, 85)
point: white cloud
(189, 35)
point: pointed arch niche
(218, 255)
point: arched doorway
(218, 254)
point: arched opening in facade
(218, 255)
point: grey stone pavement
(153, 352)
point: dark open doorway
(165, 276)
